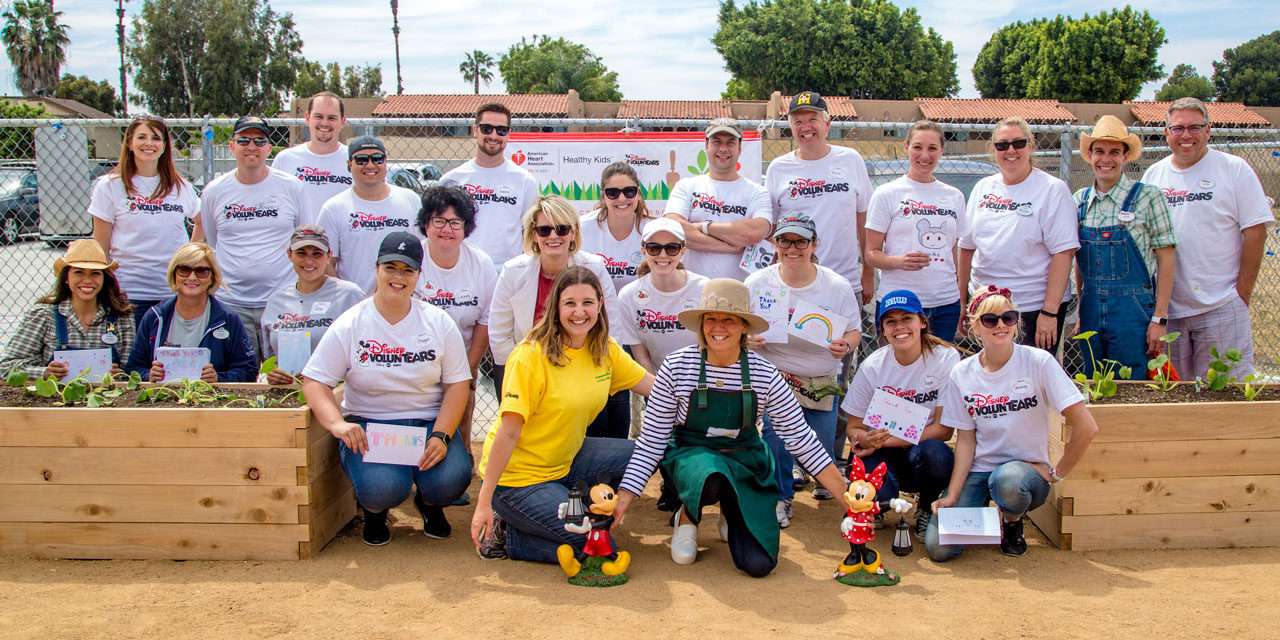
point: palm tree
(475, 67)
(395, 30)
(36, 44)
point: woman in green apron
(708, 402)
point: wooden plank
(158, 427)
(1186, 421)
(1198, 458)
(1174, 531)
(1047, 519)
(1122, 496)
(327, 523)
(322, 454)
(35, 465)
(151, 503)
(153, 541)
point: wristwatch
(444, 437)
(1160, 320)
(1051, 314)
(1053, 475)
(705, 228)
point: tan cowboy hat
(83, 254)
(724, 295)
(1111, 128)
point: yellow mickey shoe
(846, 569)
(570, 564)
(618, 566)
(874, 567)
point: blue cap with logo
(898, 300)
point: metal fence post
(206, 147)
(1064, 147)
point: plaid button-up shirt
(32, 345)
(1151, 227)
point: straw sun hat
(83, 254)
(1110, 128)
(724, 295)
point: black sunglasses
(257, 141)
(612, 193)
(376, 158)
(672, 249)
(544, 230)
(487, 129)
(1009, 318)
(1003, 145)
(185, 271)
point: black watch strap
(1051, 314)
(444, 437)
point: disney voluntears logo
(1177, 197)
(237, 211)
(619, 268)
(813, 188)
(916, 208)
(443, 298)
(654, 321)
(290, 321)
(917, 397)
(640, 160)
(314, 175)
(375, 222)
(982, 405)
(709, 202)
(373, 352)
(481, 194)
(143, 204)
(996, 202)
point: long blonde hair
(549, 334)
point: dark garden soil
(1141, 393)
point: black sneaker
(923, 516)
(494, 547)
(1011, 541)
(376, 532)
(434, 524)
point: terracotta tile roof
(984, 110)
(1233, 114)
(461, 105)
(691, 109)
(840, 107)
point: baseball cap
(246, 123)
(724, 125)
(309, 235)
(807, 100)
(662, 224)
(798, 224)
(400, 246)
(898, 300)
(364, 143)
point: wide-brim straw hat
(84, 254)
(724, 295)
(1112, 129)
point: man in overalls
(1125, 262)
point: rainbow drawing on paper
(819, 318)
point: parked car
(405, 177)
(19, 202)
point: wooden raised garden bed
(176, 483)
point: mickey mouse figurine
(597, 565)
(862, 568)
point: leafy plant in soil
(1163, 379)
(76, 390)
(1218, 377)
(1103, 382)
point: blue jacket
(232, 357)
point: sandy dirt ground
(421, 588)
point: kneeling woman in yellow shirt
(556, 381)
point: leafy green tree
(1102, 58)
(100, 95)
(476, 67)
(223, 57)
(838, 47)
(36, 44)
(543, 65)
(1250, 73)
(1184, 82)
(356, 81)
(19, 142)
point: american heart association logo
(518, 157)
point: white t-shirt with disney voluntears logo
(323, 176)
(702, 198)
(1015, 230)
(1211, 203)
(391, 371)
(925, 217)
(144, 232)
(249, 226)
(920, 382)
(291, 310)
(356, 226)
(648, 317)
(464, 292)
(502, 195)
(831, 190)
(621, 257)
(830, 291)
(1009, 408)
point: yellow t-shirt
(557, 404)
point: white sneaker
(724, 528)
(783, 511)
(684, 542)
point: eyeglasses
(452, 223)
(1003, 145)
(185, 271)
(257, 141)
(672, 249)
(544, 230)
(799, 243)
(1009, 318)
(612, 193)
(1194, 129)
(487, 129)
(376, 158)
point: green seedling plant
(1219, 377)
(188, 392)
(1250, 389)
(1161, 380)
(76, 390)
(1103, 382)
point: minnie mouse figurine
(862, 566)
(597, 565)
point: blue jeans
(533, 530)
(823, 424)
(1016, 487)
(382, 486)
(924, 468)
(944, 321)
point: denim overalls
(110, 338)
(1117, 293)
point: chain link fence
(47, 168)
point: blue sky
(660, 48)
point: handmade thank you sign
(395, 444)
(770, 303)
(902, 418)
(295, 350)
(814, 324)
(968, 525)
(93, 363)
(182, 363)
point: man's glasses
(453, 223)
(612, 193)
(1003, 145)
(1194, 129)
(1009, 318)
(376, 158)
(257, 141)
(487, 129)
(544, 230)
(672, 249)
(185, 271)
